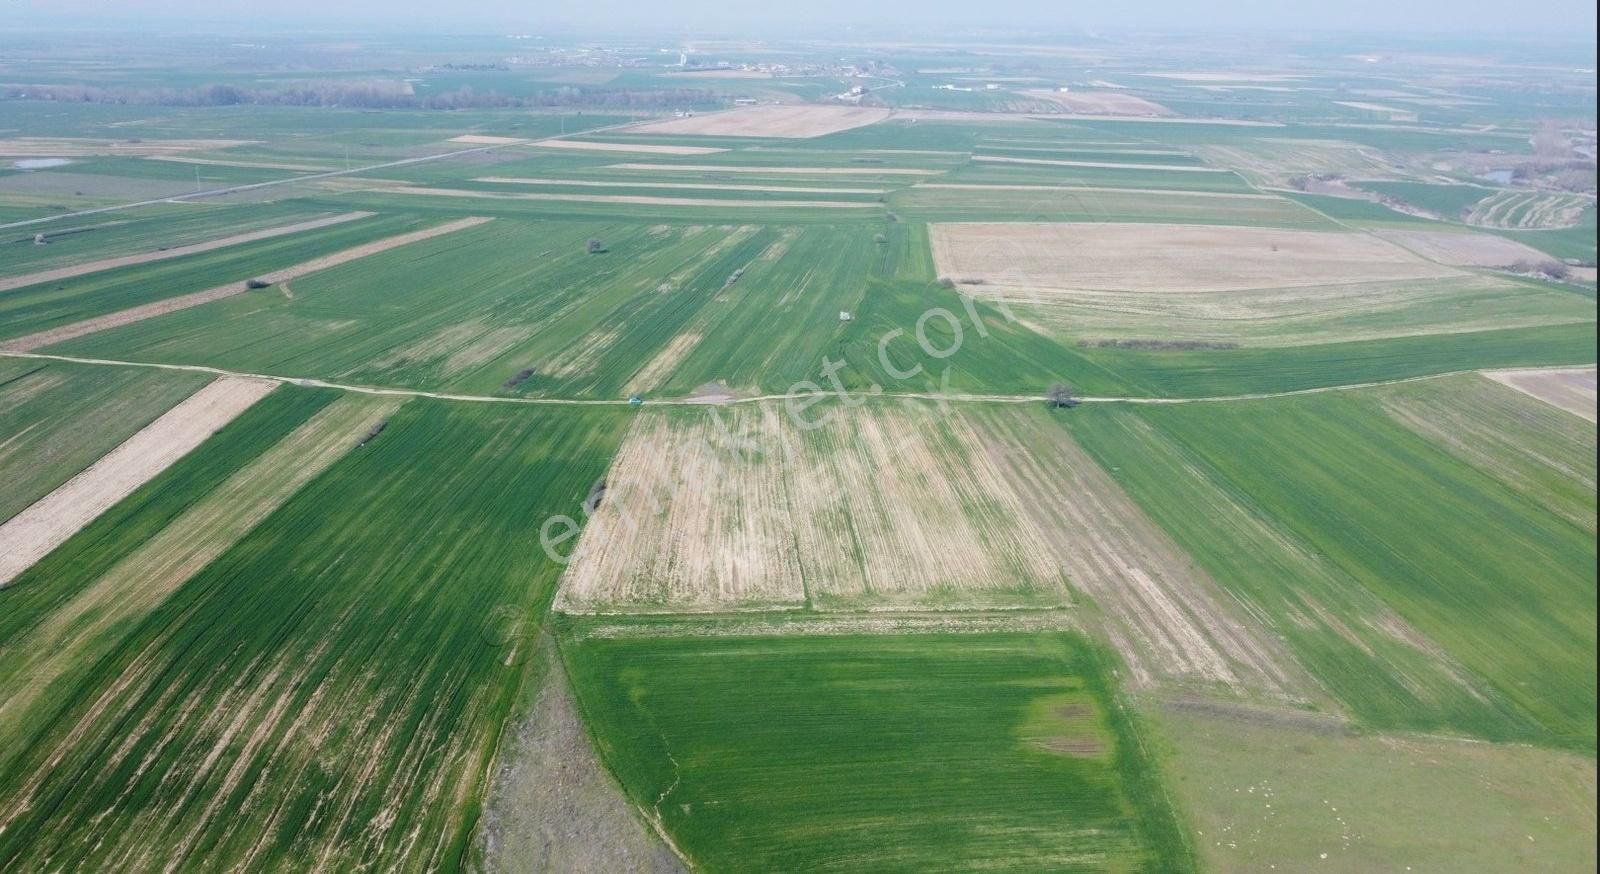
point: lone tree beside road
(1061, 396)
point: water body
(40, 163)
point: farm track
(964, 397)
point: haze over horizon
(1572, 18)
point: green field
(1173, 553)
(1502, 626)
(56, 419)
(53, 304)
(881, 752)
(348, 616)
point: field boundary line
(312, 382)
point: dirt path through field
(33, 533)
(954, 398)
(182, 302)
(10, 282)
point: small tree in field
(595, 247)
(1060, 396)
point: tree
(595, 247)
(1061, 396)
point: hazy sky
(1574, 18)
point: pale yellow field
(1168, 258)
(485, 140)
(641, 148)
(1101, 102)
(1570, 389)
(789, 122)
(742, 507)
(1464, 248)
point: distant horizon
(1571, 20)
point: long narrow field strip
(1109, 165)
(10, 282)
(1040, 189)
(1571, 389)
(639, 148)
(337, 688)
(631, 198)
(739, 509)
(1101, 102)
(57, 418)
(790, 122)
(1169, 621)
(1303, 315)
(997, 200)
(162, 307)
(256, 165)
(1167, 258)
(82, 628)
(799, 171)
(607, 183)
(31, 534)
(83, 147)
(486, 140)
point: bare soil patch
(1572, 389)
(1166, 258)
(33, 533)
(788, 122)
(553, 806)
(641, 148)
(161, 307)
(11, 282)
